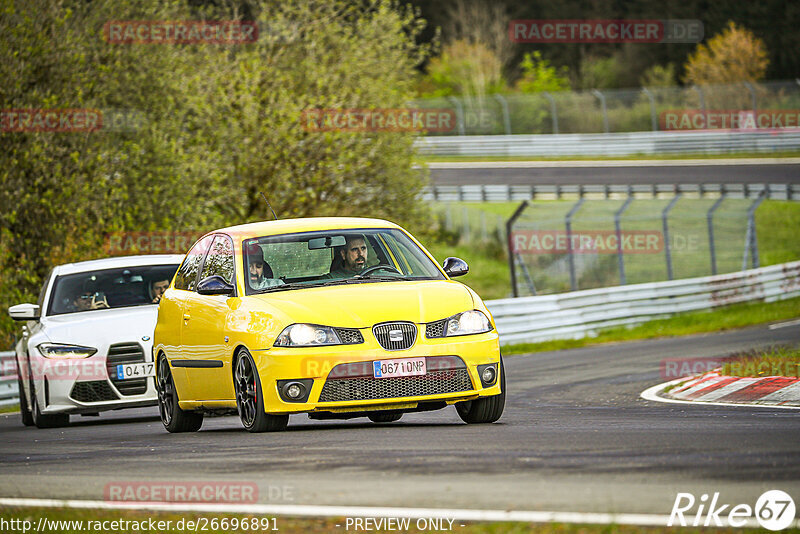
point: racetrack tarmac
(575, 436)
(623, 172)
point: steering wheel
(379, 267)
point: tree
(466, 69)
(539, 75)
(732, 56)
(219, 124)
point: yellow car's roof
(310, 224)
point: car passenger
(260, 273)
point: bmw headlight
(62, 351)
(307, 335)
(468, 322)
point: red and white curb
(714, 388)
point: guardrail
(9, 394)
(611, 144)
(579, 314)
(511, 193)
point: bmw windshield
(332, 257)
(110, 288)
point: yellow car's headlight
(62, 351)
(307, 335)
(468, 322)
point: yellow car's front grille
(433, 383)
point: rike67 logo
(774, 510)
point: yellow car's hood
(363, 305)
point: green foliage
(659, 76)
(539, 75)
(219, 123)
(465, 68)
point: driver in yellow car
(354, 257)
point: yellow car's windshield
(289, 261)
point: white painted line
(775, 326)
(611, 163)
(651, 394)
(362, 511)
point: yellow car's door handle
(186, 316)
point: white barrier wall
(582, 313)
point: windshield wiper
(291, 285)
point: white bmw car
(86, 346)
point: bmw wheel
(172, 416)
(27, 417)
(250, 401)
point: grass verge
(776, 361)
(80, 523)
(11, 408)
(726, 318)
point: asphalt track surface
(731, 171)
(575, 436)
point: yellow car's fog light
(295, 390)
(488, 374)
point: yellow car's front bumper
(283, 363)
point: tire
(384, 417)
(485, 409)
(45, 421)
(249, 403)
(173, 417)
(27, 417)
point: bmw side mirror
(24, 312)
(214, 285)
(455, 267)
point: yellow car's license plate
(400, 367)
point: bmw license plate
(403, 367)
(135, 370)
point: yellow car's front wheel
(249, 401)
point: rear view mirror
(24, 312)
(326, 242)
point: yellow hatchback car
(333, 317)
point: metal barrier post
(618, 228)
(710, 221)
(459, 114)
(554, 110)
(506, 117)
(568, 222)
(665, 225)
(751, 239)
(750, 88)
(602, 98)
(702, 99)
(650, 97)
(509, 242)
